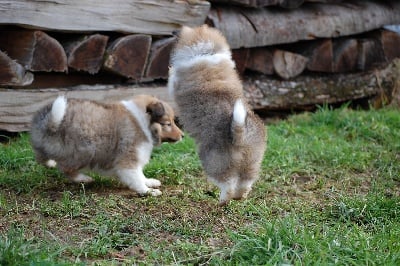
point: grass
(328, 194)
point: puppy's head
(202, 40)
(162, 117)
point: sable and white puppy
(116, 138)
(231, 139)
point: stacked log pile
(291, 53)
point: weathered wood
(18, 106)
(12, 73)
(86, 53)
(288, 65)
(390, 44)
(261, 27)
(370, 54)
(319, 54)
(345, 55)
(128, 16)
(262, 3)
(260, 60)
(159, 58)
(304, 91)
(240, 57)
(35, 50)
(127, 56)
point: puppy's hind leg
(136, 181)
(227, 188)
(77, 177)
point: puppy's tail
(238, 121)
(57, 113)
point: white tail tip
(239, 112)
(58, 110)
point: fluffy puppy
(115, 139)
(231, 139)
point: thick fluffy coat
(116, 138)
(213, 110)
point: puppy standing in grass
(212, 108)
(115, 138)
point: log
(12, 73)
(281, 3)
(345, 55)
(240, 56)
(127, 56)
(320, 55)
(18, 106)
(304, 91)
(35, 50)
(370, 54)
(390, 44)
(86, 53)
(264, 26)
(288, 65)
(127, 16)
(159, 59)
(260, 60)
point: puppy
(114, 139)
(231, 139)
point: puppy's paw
(82, 178)
(154, 192)
(153, 183)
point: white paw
(153, 183)
(82, 178)
(154, 192)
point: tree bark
(304, 91)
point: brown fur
(206, 87)
(106, 137)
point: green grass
(328, 194)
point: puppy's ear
(156, 110)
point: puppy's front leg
(135, 180)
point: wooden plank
(86, 53)
(265, 26)
(128, 16)
(127, 56)
(35, 50)
(12, 73)
(18, 106)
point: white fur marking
(172, 79)
(82, 178)
(58, 110)
(239, 112)
(140, 116)
(202, 52)
(136, 181)
(51, 163)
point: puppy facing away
(115, 139)
(231, 139)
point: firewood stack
(292, 54)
